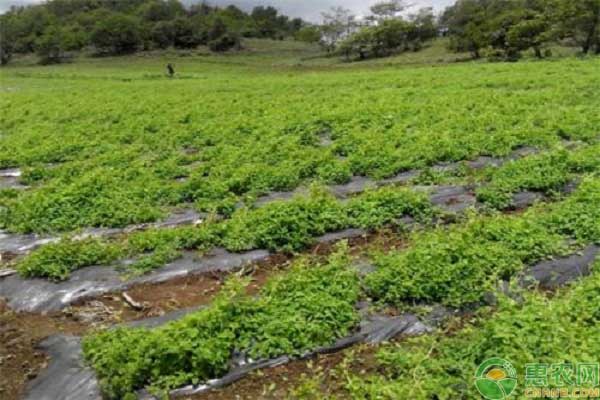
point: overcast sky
(307, 9)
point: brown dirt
(197, 290)
(160, 298)
(6, 258)
(20, 333)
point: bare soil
(20, 333)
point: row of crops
(288, 226)
(123, 155)
(563, 328)
(312, 305)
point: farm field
(278, 225)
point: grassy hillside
(267, 54)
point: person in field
(170, 70)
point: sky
(309, 10)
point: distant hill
(117, 27)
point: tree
(29, 23)
(508, 27)
(388, 9)
(267, 21)
(387, 37)
(217, 29)
(295, 25)
(49, 46)
(67, 8)
(580, 21)
(361, 43)
(425, 24)
(309, 34)
(162, 34)
(117, 34)
(513, 27)
(224, 42)
(184, 34)
(234, 13)
(161, 10)
(338, 23)
(421, 28)
(466, 24)
(8, 35)
(202, 9)
(528, 33)
(119, 26)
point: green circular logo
(496, 379)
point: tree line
(505, 28)
(115, 27)
(497, 29)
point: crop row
(310, 305)
(456, 266)
(547, 172)
(307, 307)
(280, 226)
(292, 225)
(559, 331)
(101, 193)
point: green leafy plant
(306, 307)
(285, 226)
(57, 260)
(532, 330)
(458, 265)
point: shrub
(225, 42)
(117, 34)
